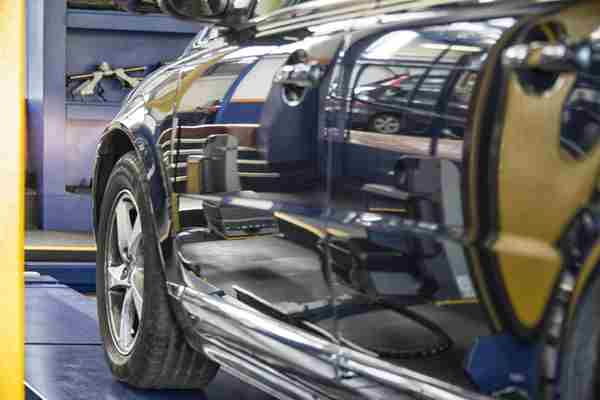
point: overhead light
(439, 46)
(390, 44)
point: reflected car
(391, 106)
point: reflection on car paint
(580, 128)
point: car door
(415, 172)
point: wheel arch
(114, 144)
(117, 141)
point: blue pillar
(46, 49)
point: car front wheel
(386, 123)
(143, 344)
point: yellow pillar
(12, 197)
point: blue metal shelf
(120, 21)
(80, 276)
(92, 111)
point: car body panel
(449, 137)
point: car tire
(580, 364)
(386, 123)
(143, 344)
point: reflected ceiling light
(502, 22)
(250, 52)
(437, 46)
(340, 26)
(253, 203)
(390, 44)
(370, 218)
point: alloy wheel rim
(124, 273)
(387, 124)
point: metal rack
(63, 132)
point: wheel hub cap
(124, 273)
(387, 124)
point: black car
(406, 103)
(250, 212)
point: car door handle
(304, 75)
(583, 56)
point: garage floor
(64, 358)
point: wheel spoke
(116, 277)
(124, 228)
(137, 230)
(137, 289)
(124, 269)
(126, 333)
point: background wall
(64, 131)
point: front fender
(116, 141)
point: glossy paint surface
(421, 83)
(396, 140)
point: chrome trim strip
(252, 162)
(318, 9)
(187, 152)
(183, 141)
(258, 374)
(183, 178)
(344, 15)
(244, 162)
(336, 8)
(260, 174)
(192, 127)
(262, 336)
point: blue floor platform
(64, 357)
(80, 275)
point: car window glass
(210, 88)
(257, 83)
(202, 96)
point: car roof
(309, 13)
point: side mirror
(194, 9)
(219, 11)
